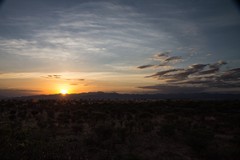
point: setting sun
(63, 91)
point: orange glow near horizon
(38, 84)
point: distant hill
(117, 96)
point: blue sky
(105, 42)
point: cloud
(174, 58)
(161, 55)
(213, 68)
(217, 65)
(17, 92)
(179, 73)
(86, 35)
(73, 84)
(145, 66)
(209, 71)
(174, 89)
(231, 75)
(195, 77)
(163, 73)
(198, 67)
(165, 60)
(53, 76)
(75, 81)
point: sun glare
(63, 91)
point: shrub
(198, 139)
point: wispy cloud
(84, 36)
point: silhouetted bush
(167, 130)
(199, 138)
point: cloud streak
(54, 76)
(165, 60)
(17, 92)
(195, 77)
(74, 81)
(145, 66)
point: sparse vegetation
(119, 130)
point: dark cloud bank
(194, 78)
(17, 92)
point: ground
(119, 130)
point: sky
(125, 46)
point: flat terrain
(119, 130)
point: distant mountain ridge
(118, 96)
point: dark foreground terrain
(119, 130)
